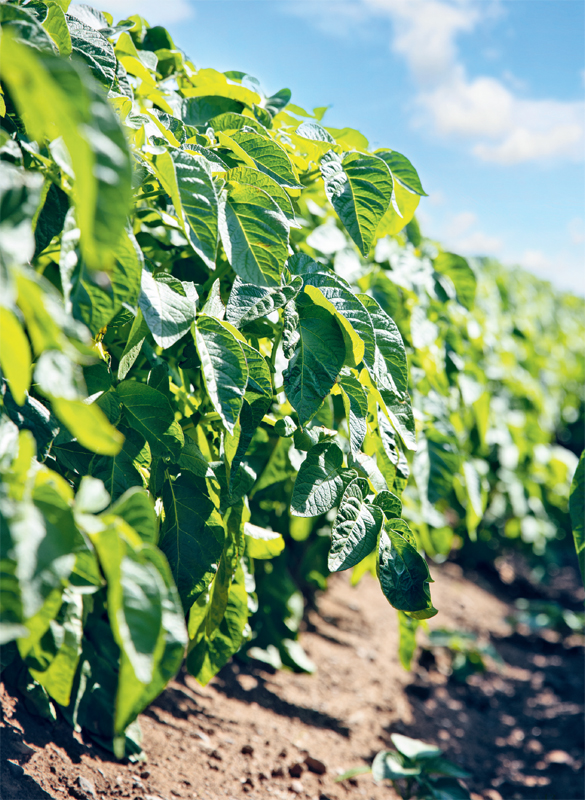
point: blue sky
(484, 96)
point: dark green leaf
(359, 186)
(119, 472)
(404, 574)
(254, 233)
(52, 217)
(351, 314)
(277, 101)
(192, 535)
(356, 408)
(248, 301)
(389, 503)
(200, 110)
(320, 482)
(136, 508)
(138, 333)
(167, 313)
(224, 368)
(264, 154)
(150, 413)
(356, 527)
(90, 45)
(252, 177)
(463, 277)
(401, 168)
(317, 360)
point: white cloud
(576, 230)
(478, 243)
(460, 223)
(564, 270)
(500, 125)
(156, 12)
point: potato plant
(232, 365)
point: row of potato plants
(230, 366)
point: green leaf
(167, 313)
(403, 573)
(444, 461)
(262, 153)
(134, 591)
(150, 413)
(51, 218)
(402, 169)
(94, 299)
(359, 187)
(577, 510)
(67, 103)
(200, 110)
(277, 101)
(262, 543)
(407, 628)
(390, 372)
(248, 302)
(192, 535)
(320, 482)
(317, 360)
(447, 789)
(15, 358)
(192, 459)
(224, 368)
(252, 177)
(355, 403)
(230, 121)
(414, 748)
(58, 678)
(389, 366)
(259, 375)
(389, 503)
(138, 333)
(254, 233)
(187, 179)
(21, 25)
(89, 425)
(390, 765)
(463, 277)
(136, 508)
(350, 312)
(119, 473)
(315, 132)
(56, 26)
(356, 527)
(90, 45)
(170, 647)
(209, 656)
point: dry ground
(258, 734)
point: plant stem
(219, 273)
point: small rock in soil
(316, 766)
(247, 750)
(278, 772)
(295, 770)
(296, 787)
(145, 774)
(84, 788)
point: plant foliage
(230, 364)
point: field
(291, 496)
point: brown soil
(257, 734)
